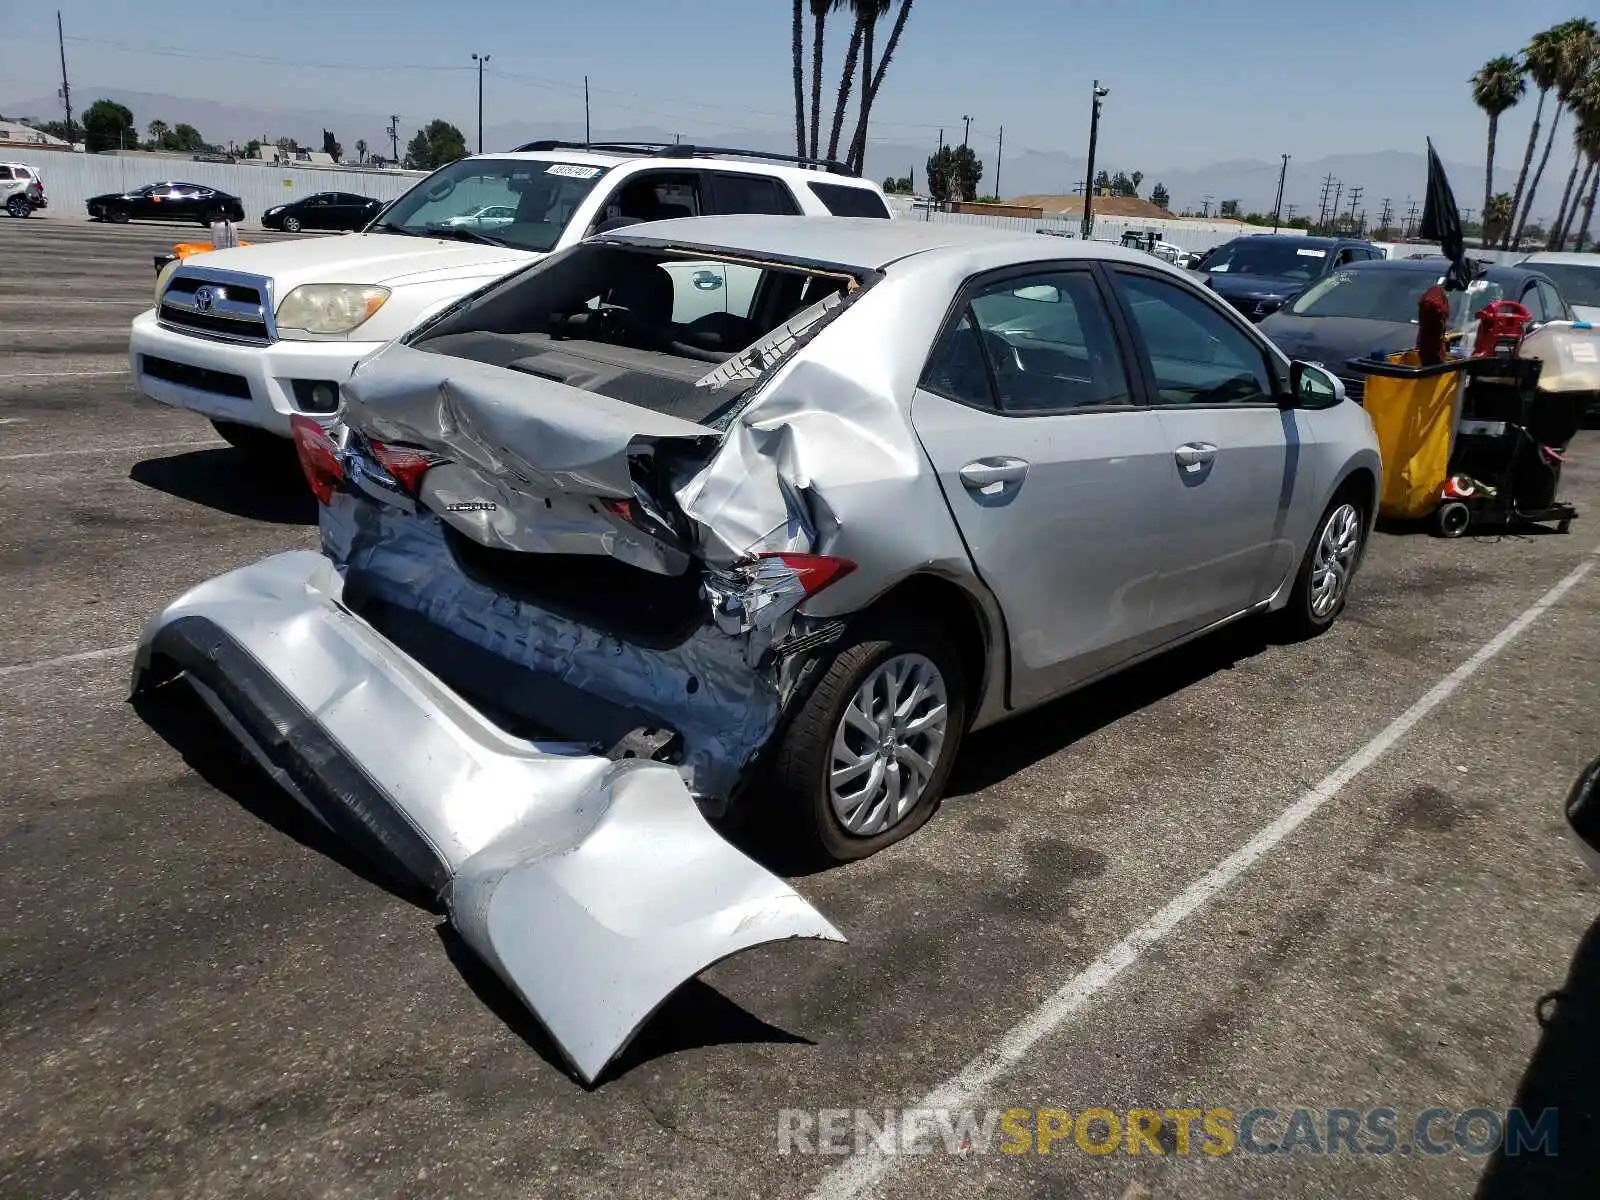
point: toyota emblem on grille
(204, 298)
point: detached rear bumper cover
(594, 888)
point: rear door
(1233, 470)
(1052, 472)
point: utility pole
(1411, 216)
(1277, 205)
(1098, 94)
(586, 110)
(967, 132)
(1338, 191)
(1288, 213)
(1327, 189)
(483, 61)
(999, 155)
(1355, 198)
(1386, 214)
(1205, 205)
(66, 90)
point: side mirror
(1583, 814)
(1313, 386)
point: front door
(1051, 471)
(1233, 471)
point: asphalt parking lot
(202, 997)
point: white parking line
(205, 445)
(963, 1089)
(68, 659)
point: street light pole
(1277, 205)
(1100, 93)
(481, 60)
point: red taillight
(405, 465)
(814, 571)
(319, 458)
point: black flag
(1441, 222)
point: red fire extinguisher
(1501, 325)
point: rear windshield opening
(672, 331)
(842, 200)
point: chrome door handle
(1192, 456)
(986, 472)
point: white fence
(70, 179)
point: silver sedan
(599, 564)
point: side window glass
(956, 368)
(655, 196)
(1555, 308)
(5, 172)
(1197, 355)
(1050, 344)
(750, 194)
(1534, 303)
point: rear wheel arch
(959, 615)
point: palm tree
(361, 150)
(1496, 87)
(1587, 142)
(1573, 47)
(158, 131)
(1496, 216)
(866, 13)
(872, 80)
(819, 20)
(1585, 104)
(1591, 146)
(799, 79)
(1541, 60)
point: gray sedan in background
(598, 564)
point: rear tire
(1323, 582)
(18, 206)
(888, 656)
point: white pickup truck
(251, 336)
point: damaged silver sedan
(749, 517)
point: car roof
(1565, 258)
(1436, 266)
(861, 243)
(1295, 239)
(609, 160)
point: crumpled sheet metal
(725, 716)
(593, 888)
(507, 423)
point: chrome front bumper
(593, 887)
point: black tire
(1452, 519)
(799, 769)
(291, 224)
(1299, 618)
(18, 206)
(117, 217)
(258, 444)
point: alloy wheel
(887, 744)
(1335, 559)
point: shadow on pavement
(183, 721)
(694, 1016)
(1564, 1074)
(993, 755)
(259, 489)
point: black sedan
(1372, 307)
(324, 210)
(1260, 273)
(167, 202)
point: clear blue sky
(1192, 83)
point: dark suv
(1258, 275)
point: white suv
(251, 336)
(21, 189)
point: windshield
(538, 199)
(1265, 256)
(1379, 295)
(1579, 282)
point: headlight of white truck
(329, 308)
(164, 276)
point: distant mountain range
(1400, 175)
